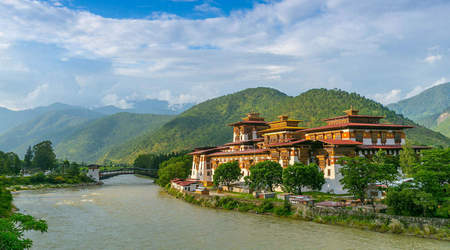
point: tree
(407, 159)
(386, 168)
(227, 173)
(357, 174)
(433, 172)
(27, 159)
(265, 174)
(144, 161)
(299, 175)
(176, 167)
(74, 170)
(13, 225)
(44, 156)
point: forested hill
(430, 108)
(93, 140)
(430, 102)
(206, 123)
(52, 125)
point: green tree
(407, 159)
(357, 174)
(28, 158)
(144, 161)
(227, 173)
(13, 225)
(386, 168)
(265, 175)
(433, 172)
(403, 201)
(176, 167)
(44, 156)
(299, 175)
(74, 170)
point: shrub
(38, 178)
(265, 207)
(396, 226)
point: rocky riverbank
(412, 226)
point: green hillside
(428, 108)
(442, 123)
(11, 119)
(93, 140)
(53, 125)
(430, 102)
(206, 123)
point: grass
(319, 196)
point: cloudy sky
(95, 53)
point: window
(329, 172)
(398, 138)
(374, 137)
(383, 137)
(359, 136)
(338, 136)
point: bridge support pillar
(94, 172)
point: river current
(130, 212)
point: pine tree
(28, 158)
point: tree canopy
(265, 175)
(176, 167)
(227, 173)
(44, 156)
(297, 176)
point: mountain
(149, 106)
(11, 119)
(54, 125)
(429, 108)
(94, 139)
(206, 123)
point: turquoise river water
(130, 212)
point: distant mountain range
(149, 106)
(81, 134)
(431, 108)
(11, 119)
(108, 133)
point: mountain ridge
(206, 123)
(428, 108)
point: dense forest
(206, 123)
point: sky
(113, 52)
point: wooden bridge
(105, 174)
(97, 175)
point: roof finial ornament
(351, 111)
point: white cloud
(389, 97)
(292, 45)
(114, 100)
(208, 8)
(433, 58)
(419, 89)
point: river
(130, 212)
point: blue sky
(195, 9)
(95, 53)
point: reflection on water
(129, 212)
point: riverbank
(19, 188)
(410, 226)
